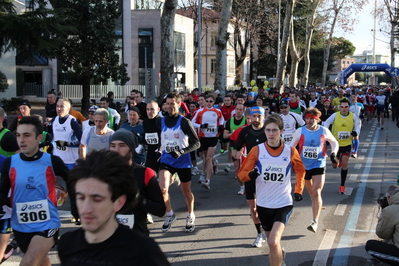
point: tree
(3, 82)
(282, 62)
(392, 9)
(89, 54)
(38, 31)
(221, 42)
(167, 27)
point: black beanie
(127, 136)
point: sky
(362, 35)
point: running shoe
(11, 247)
(190, 226)
(339, 163)
(264, 237)
(206, 184)
(201, 179)
(382, 127)
(342, 190)
(168, 222)
(258, 241)
(222, 151)
(61, 195)
(149, 219)
(195, 171)
(354, 155)
(227, 169)
(175, 179)
(241, 191)
(215, 166)
(313, 227)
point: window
(179, 41)
(230, 66)
(145, 50)
(213, 66)
(213, 40)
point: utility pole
(199, 63)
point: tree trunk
(295, 59)
(85, 81)
(221, 43)
(309, 35)
(281, 64)
(167, 64)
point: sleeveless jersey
(273, 186)
(312, 148)
(380, 99)
(233, 126)
(96, 142)
(64, 133)
(213, 117)
(173, 138)
(342, 129)
(33, 195)
(3, 152)
(297, 110)
(111, 122)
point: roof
(191, 12)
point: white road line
(363, 150)
(370, 136)
(324, 249)
(358, 166)
(368, 139)
(340, 210)
(361, 157)
(353, 177)
(348, 191)
(371, 132)
(366, 144)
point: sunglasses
(209, 101)
(343, 106)
(283, 107)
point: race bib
(151, 138)
(287, 137)
(172, 146)
(343, 135)
(61, 145)
(33, 212)
(273, 173)
(310, 152)
(210, 129)
(126, 219)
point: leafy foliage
(3, 82)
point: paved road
(224, 231)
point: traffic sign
(394, 72)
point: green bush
(10, 105)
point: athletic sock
(258, 229)
(344, 173)
(169, 213)
(355, 143)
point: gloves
(220, 128)
(333, 157)
(354, 133)
(254, 174)
(204, 125)
(298, 197)
(176, 154)
(157, 156)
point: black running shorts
(208, 143)
(268, 216)
(314, 171)
(184, 173)
(23, 239)
(344, 151)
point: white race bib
(310, 152)
(172, 146)
(151, 138)
(209, 129)
(343, 135)
(287, 137)
(273, 173)
(126, 219)
(33, 212)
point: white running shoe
(284, 253)
(312, 227)
(149, 219)
(258, 241)
(201, 179)
(227, 169)
(168, 222)
(206, 184)
(241, 191)
(195, 171)
(190, 226)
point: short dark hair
(210, 96)
(111, 168)
(104, 99)
(344, 100)
(34, 121)
(174, 95)
(140, 93)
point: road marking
(366, 144)
(370, 136)
(324, 249)
(368, 139)
(358, 166)
(364, 150)
(64, 214)
(348, 191)
(361, 157)
(371, 132)
(342, 252)
(353, 177)
(340, 210)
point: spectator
(24, 108)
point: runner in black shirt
(152, 135)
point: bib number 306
(33, 212)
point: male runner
(152, 135)
(104, 187)
(226, 110)
(209, 121)
(114, 116)
(31, 177)
(369, 102)
(292, 121)
(178, 139)
(356, 108)
(311, 140)
(250, 137)
(345, 126)
(381, 100)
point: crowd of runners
(266, 135)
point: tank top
(63, 133)
(342, 129)
(312, 148)
(96, 142)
